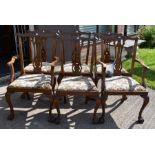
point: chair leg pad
(140, 120)
(10, 117)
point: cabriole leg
(25, 95)
(98, 103)
(146, 101)
(54, 103)
(8, 100)
(103, 102)
(124, 97)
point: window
(130, 29)
(97, 28)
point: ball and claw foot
(55, 120)
(94, 121)
(10, 117)
(140, 120)
(98, 121)
(22, 96)
(25, 95)
(124, 98)
(101, 120)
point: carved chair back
(85, 43)
(76, 41)
(37, 48)
(117, 41)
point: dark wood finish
(37, 45)
(118, 43)
(84, 42)
(38, 41)
(10, 64)
(75, 39)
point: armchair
(37, 82)
(75, 82)
(123, 83)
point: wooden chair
(46, 39)
(36, 82)
(75, 82)
(84, 43)
(104, 51)
(123, 84)
(85, 37)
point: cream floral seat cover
(32, 81)
(77, 83)
(109, 69)
(122, 83)
(46, 68)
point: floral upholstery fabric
(77, 83)
(122, 83)
(46, 68)
(68, 68)
(109, 69)
(39, 81)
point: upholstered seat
(46, 68)
(109, 69)
(68, 68)
(122, 83)
(32, 81)
(77, 84)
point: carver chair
(75, 82)
(123, 83)
(37, 82)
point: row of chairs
(90, 60)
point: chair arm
(103, 75)
(53, 64)
(144, 69)
(142, 63)
(11, 66)
(55, 61)
(103, 65)
(53, 78)
(12, 61)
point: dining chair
(122, 83)
(35, 82)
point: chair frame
(37, 67)
(81, 45)
(117, 72)
(76, 71)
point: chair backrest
(37, 48)
(76, 41)
(117, 41)
(105, 41)
(85, 40)
(85, 43)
